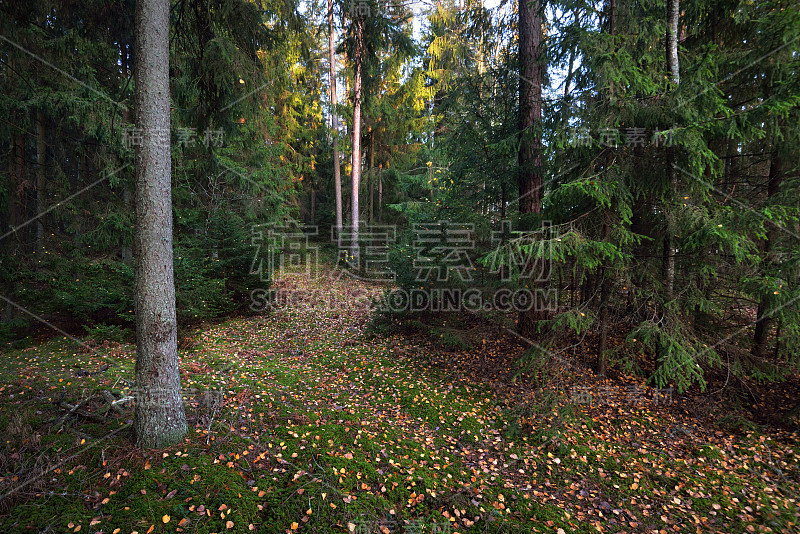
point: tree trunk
(530, 150)
(20, 183)
(83, 171)
(16, 176)
(611, 23)
(380, 191)
(673, 16)
(371, 181)
(503, 199)
(126, 252)
(41, 155)
(159, 419)
(605, 273)
(337, 173)
(670, 209)
(313, 201)
(605, 293)
(764, 320)
(530, 103)
(358, 61)
(668, 264)
(8, 223)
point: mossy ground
(323, 429)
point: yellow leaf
(165, 519)
(294, 525)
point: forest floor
(301, 421)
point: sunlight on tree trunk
(358, 61)
(337, 173)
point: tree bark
(159, 418)
(125, 250)
(670, 210)
(605, 293)
(20, 183)
(41, 155)
(371, 180)
(358, 61)
(16, 176)
(530, 149)
(337, 173)
(530, 104)
(611, 28)
(668, 265)
(673, 17)
(8, 223)
(604, 276)
(380, 191)
(313, 201)
(764, 321)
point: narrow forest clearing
(302, 422)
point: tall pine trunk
(358, 61)
(159, 419)
(337, 173)
(530, 149)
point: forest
(397, 266)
